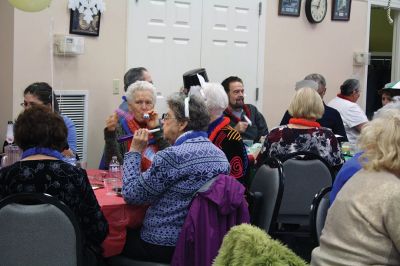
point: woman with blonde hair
(362, 226)
(303, 133)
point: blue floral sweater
(170, 184)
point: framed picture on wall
(341, 10)
(77, 25)
(289, 8)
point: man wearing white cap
(331, 117)
(390, 92)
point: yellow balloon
(30, 5)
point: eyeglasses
(27, 104)
(166, 116)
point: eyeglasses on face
(167, 116)
(27, 104)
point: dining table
(119, 215)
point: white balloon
(30, 5)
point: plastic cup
(112, 186)
(82, 164)
(248, 142)
(346, 149)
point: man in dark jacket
(245, 118)
(331, 117)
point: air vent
(74, 104)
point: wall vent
(74, 104)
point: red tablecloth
(119, 215)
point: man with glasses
(352, 115)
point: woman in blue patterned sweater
(175, 175)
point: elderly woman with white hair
(141, 98)
(222, 134)
(303, 133)
(362, 226)
(174, 177)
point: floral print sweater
(283, 140)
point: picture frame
(341, 10)
(78, 25)
(289, 8)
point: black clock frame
(308, 12)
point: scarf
(189, 135)
(344, 97)
(216, 126)
(130, 125)
(43, 151)
(236, 119)
(304, 122)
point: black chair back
(265, 194)
(304, 174)
(38, 229)
(319, 210)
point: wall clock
(316, 10)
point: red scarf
(304, 122)
(218, 128)
(234, 117)
(151, 149)
(344, 97)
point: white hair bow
(195, 90)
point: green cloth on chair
(249, 245)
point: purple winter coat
(212, 213)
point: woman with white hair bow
(221, 133)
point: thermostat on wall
(361, 58)
(68, 45)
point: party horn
(130, 136)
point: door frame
(395, 7)
(261, 55)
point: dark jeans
(136, 248)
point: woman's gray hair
(216, 98)
(140, 86)
(349, 86)
(198, 115)
(317, 78)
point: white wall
(295, 48)
(6, 73)
(104, 60)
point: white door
(170, 37)
(163, 36)
(230, 42)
